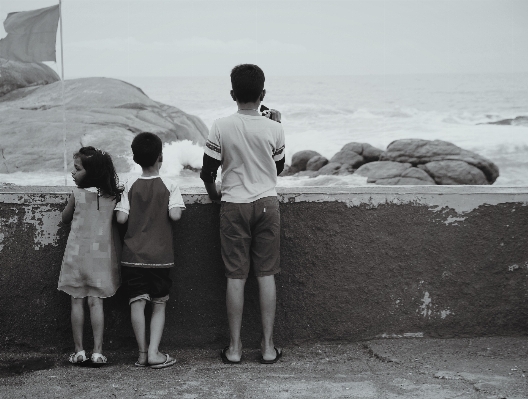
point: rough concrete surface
(467, 368)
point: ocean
(323, 113)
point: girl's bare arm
(67, 213)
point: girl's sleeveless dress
(90, 266)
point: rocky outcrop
(406, 162)
(394, 173)
(300, 159)
(517, 121)
(105, 113)
(316, 163)
(421, 152)
(454, 172)
(16, 75)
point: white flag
(31, 35)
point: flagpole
(63, 103)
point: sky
(130, 38)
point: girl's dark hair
(247, 81)
(100, 172)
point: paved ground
(392, 369)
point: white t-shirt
(247, 146)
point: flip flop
(277, 357)
(225, 360)
(94, 360)
(169, 361)
(138, 364)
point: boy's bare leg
(235, 307)
(97, 320)
(268, 303)
(137, 314)
(77, 322)
(157, 323)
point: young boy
(149, 203)
(250, 149)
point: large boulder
(316, 163)
(394, 173)
(300, 159)
(105, 113)
(331, 168)
(419, 152)
(454, 172)
(15, 75)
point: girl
(90, 264)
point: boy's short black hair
(146, 148)
(247, 81)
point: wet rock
(105, 113)
(382, 170)
(367, 151)
(518, 121)
(300, 159)
(454, 172)
(419, 152)
(15, 75)
(316, 163)
(331, 168)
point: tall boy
(149, 203)
(250, 149)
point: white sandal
(74, 357)
(95, 359)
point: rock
(309, 173)
(382, 170)
(454, 172)
(346, 169)
(394, 173)
(286, 171)
(301, 158)
(419, 152)
(105, 113)
(517, 121)
(349, 158)
(409, 177)
(367, 151)
(15, 75)
(316, 163)
(331, 168)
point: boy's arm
(121, 217)
(67, 213)
(208, 175)
(176, 204)
(122, 208)
(175, 213)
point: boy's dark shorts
(250, 235)
(151, 284)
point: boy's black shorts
(151, 284)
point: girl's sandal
(138, 364)
(74, 358)
(98, 360)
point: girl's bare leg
(97, 319)
(77, 322)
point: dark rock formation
(331, 168)
(454, 172)
(316, 163)
(518, 121)
(105, 113)
(300, 159)
(419, 152)
(15, 75)
(394, 173)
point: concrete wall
(357, 263)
